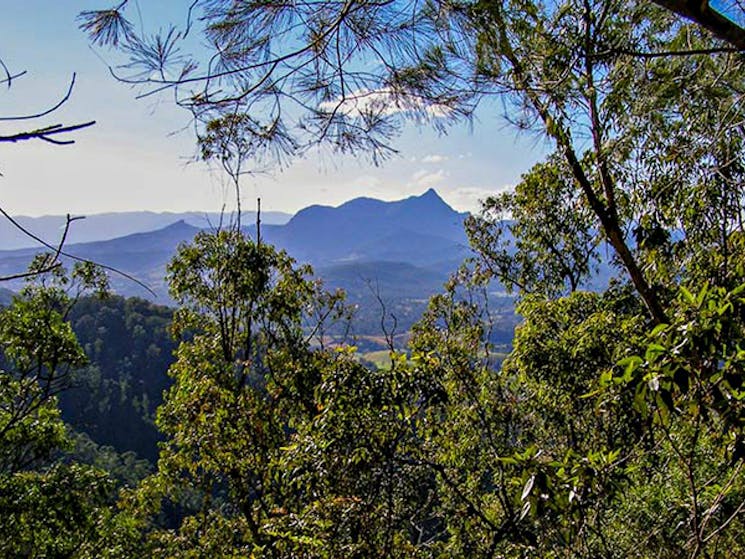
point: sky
(139, 155)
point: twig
(59, 252)
(46, 132)
(50, 110)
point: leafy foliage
(114, 397)
(614, 426)
(539, 238)
(48, 507)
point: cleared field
(381, 358)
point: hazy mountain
(141, 255)
(105, 226)
(6, 296)
(417, 230)
(399, 251)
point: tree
(540, 237)
(614, 427)
(288, 98)
(39, 350)
(49, 133)
(277, 446)
(718, 24)
(49, 507)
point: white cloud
(384, 102)
(434, 158)
(468, 198)
(427, 179)
(366, 181)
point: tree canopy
(614, 426)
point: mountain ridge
(348, 231)
(112, 225)
(422, 231)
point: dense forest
(612, 428)
(114, 398)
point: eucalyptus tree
(539, 237)
(277, 445)
(723, 21)
(48, 505)
(614, 428)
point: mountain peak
(180, 227)
(180, 224)
(429, 201)
(432, 193)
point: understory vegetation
(612, 428)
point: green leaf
(653, 351)
(528, 487)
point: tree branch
(47, 133)
(701, 13)
(50, 110)
(59, 252)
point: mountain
(141, 255)
(6, 296)
(418, 230)
(106, 226)
(400, 252)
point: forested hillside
(128, 343)
(611, 424)
(114, 398)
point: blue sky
(136, 157)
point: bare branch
(47, 133)
(10, 77)
(669, 53)
(59, 252)
(50, 110)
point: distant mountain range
(399, 251)
(100, 227)
(6, 296)
(420, 230)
